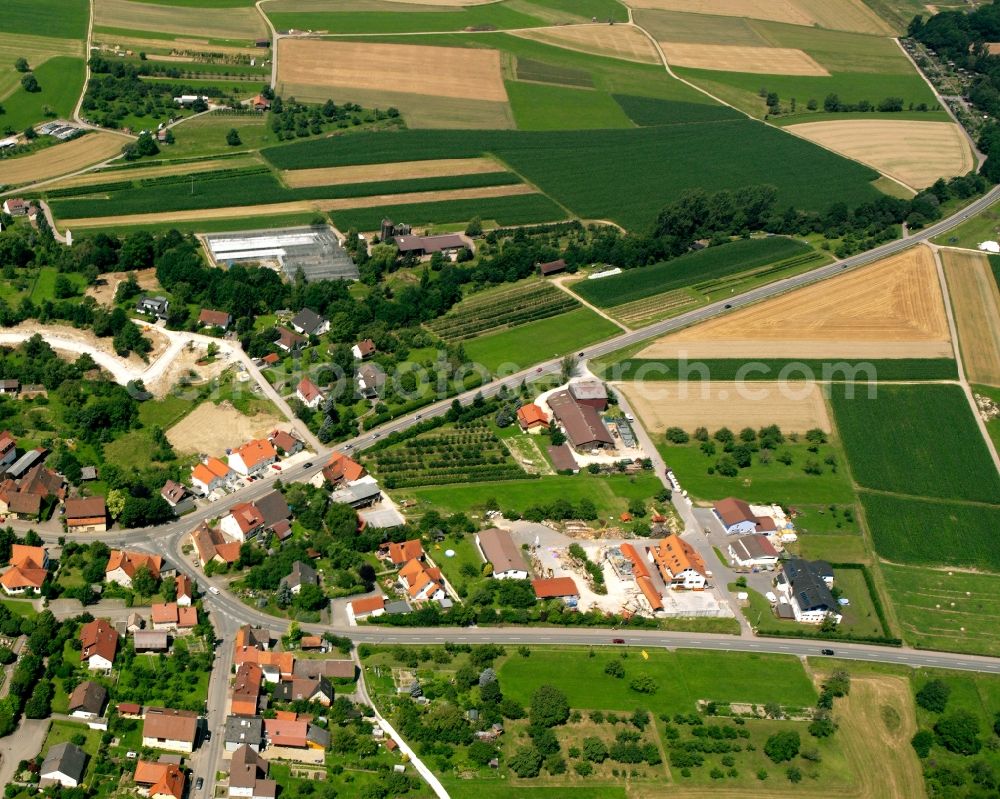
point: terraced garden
(501, 309)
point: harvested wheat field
(210, 428)
(456, 72)
(891, 309)
(618, 41)
(734, 58)
(63, 158)
(844, 15)
(304, 206)
(796, 407)
(216, 23)
(976, 303)
(398, 170)
(913, 152)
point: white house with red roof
(253, 457)
(243, 522)
(309, 393)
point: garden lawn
(63, 731)
(683, 677)
(20, 607)
(538, 341)
(917, 440)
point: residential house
(150, 641)
(99, 643)
(248, 776)
(642, 577)
(369, 606)
(159, 780)
(63, 765)
(123, 564)
(87, 700)
(134, 622)
(552, 267)
(171, 616)
(531, 418)
(246, 689)
(371, 379)
(15, 206)
(166, 728)
(176, 496)
(270, 359)
(590, 392)
(219, 319)
(342, 469)
(17, 504)
(10, 386)
(581, 423)
(86, 515)
(805, 586)
(212, 546)
(243, 522)
(212, 474)
(185, 593)
(28, 570)
(738, 519)
(39, 480)
(331, 669)
(499, 550)
(273, 508)
(309, 689)
(260, 102)
(8, 448)
(422, 583)
(274, 666)
(753, 551)
(301, 574)
(364, 350)
(242, 731)
(358, 493)
(257, 637)
(252, 457)
(309, 393)
(153, 306)
(285, 442)
(289, 341)
(295, 734)
(309, 323)
(556, 588)
(399, 554)
(680, 566)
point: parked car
(199, 783)
(276, 467)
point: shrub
(782, 746)
(583, 768)
(922, 743)
(934, 696)
(644, 684)
(959, 732)
(526, 762)
(794, 774)
(615, 669)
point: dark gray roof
(301, 574)
(25, 462)
(66, 758)
(308, 321)
(244, 730)
(273, 508)
(808, 586)
(89, 697)
(398, 607)
(318, 735)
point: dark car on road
(828, 652)
(199, 783)
(618, 640)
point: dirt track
(891, 309)
(976, 302)
(399, 170)
(619, 41)
(734, 58)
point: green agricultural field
(933, 533)
(940, 609)
(623, 175)
(538, 106)
(540, 340)
(62, 19)
(683, 676)
(993, 425)
(61, 82)
(214, 225)
(543, 72)
(766, 483)
(917, 440)
(649, 111)
(784, 368)
(708, 264)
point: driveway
(23, 745)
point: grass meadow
(916, 440)
(61, 82)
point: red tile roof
(555, 587)
(98, 638)
(130, 562)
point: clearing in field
(211, 428)
(217, 23)
(400, 170)
(104, 290)
(63, 158)
(892, 309)
(736, 58)
(693, 404)
(846, 15)
(618, 41)
(976, 301)
(913, 152)
(457, 72)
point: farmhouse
(340, 468)
(63, 765)
(499, 550)
(15, 206)
(17, 504)
(590, 392)
(28, 569)
(244, 732)
(289, 341)
(219, 319)
(123, 564)
(159, 780)
(753, 551)
(309, 323)
(370, 606)
(805, 586)
(552, 267)
(87, 700)
(556, 588)
(358, 493)
(309, 393)
(581, 423)
(40, 481)
(680, 566)
(252, 457)
(449, 244)
(248, 776)
(89, 515)
(532, 418)
(364, 349)
(166, 728)
(212, 474)
(738, 519)
(153, 306)
(99, 643)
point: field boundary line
(559, 283)
(956, 346)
